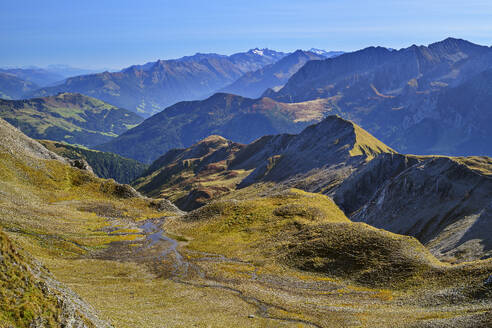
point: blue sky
(118, 33)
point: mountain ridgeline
(147, 89)
(253, 84)
(416, 99)
(317, 159)
(233, 117)
(38, 76)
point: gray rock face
(446, 203)
(360, 187)
(81, 164)
(165, 205)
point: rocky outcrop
(359, 188)
(444, 202)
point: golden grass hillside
(309, 232)
(65, 218)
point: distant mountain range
(326, 54)
(420, 99)
(13, 87)
(234, 117)
(69, 71)
(73, 118)
(148, 89)
(253, 84)
(38, 76)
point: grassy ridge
(72, 118)
(309, 232)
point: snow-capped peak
(317, 51)
(258, 52)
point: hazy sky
(118, 33)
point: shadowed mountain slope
(253, 84)
(406, 98)
(104, 165)
(444, 202)
(233, 117)
(312, 159)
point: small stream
(156, 235)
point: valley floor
(144, 276)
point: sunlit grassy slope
(73, 118)
(62, 216)
(309, 232)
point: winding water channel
(156, 236)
